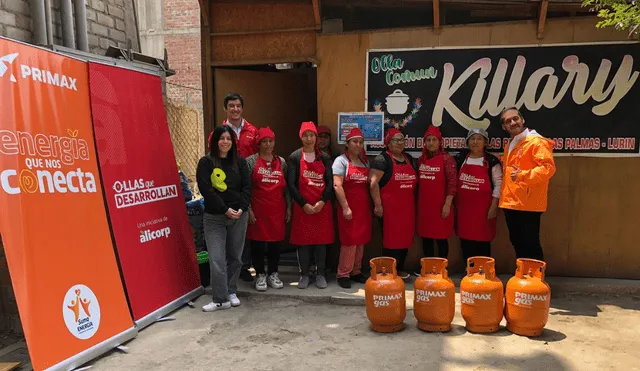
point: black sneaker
(344, 282)
(246, 276)
(359, 278)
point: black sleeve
(328, 179)
(245, 178)
(211, 197)
(383, 163)
(380, 163)
(293, 168)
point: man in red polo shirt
(245, 134)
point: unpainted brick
(105, 20)
(7, 18)
(93, 40)
(18, 34)
(117, 35)
(24, 22)
(105, 43)
(91, 15)
(116, 12)
(98, 5)
(17, 6)
(99, 29)
(120, 25)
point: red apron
(472, 204)
(356, 231)
(316, 229)
(431, 197)
(399, 207)
(267, 201)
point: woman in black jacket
(225, 183)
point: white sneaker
(261, 282)
(211, 307)
(233, 298)
(274, 281)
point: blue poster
(370, 123)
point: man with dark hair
(527, 168)
(245, 134)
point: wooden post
(316, 13)
(542, 18)
(436, 16)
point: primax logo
(37, 74)
(9, 58)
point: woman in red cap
(393, 183)
(310, 184)
(324, 141)
(270, 208)
(436, 189)
(351, 185)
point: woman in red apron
(436, 188)
(393, 183)
(351, 186)
(479, 182)
(311, 186)
(270, 209)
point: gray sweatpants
(225, 242)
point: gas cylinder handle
(486, 263)
(537, 268)
(377, 264)
(437, 265)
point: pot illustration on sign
(397, 102)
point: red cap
(324, 129)
(263, 133)
(390, 134)
(308, 125)
(355, 133)
(432, 131)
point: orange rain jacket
(533, 156)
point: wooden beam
(262, 32)
(436, 15)
(316, 12)
(542, 18)
(256, 62)
(204, 12)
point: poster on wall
(583, 96)
(53, 220)
(370, 123)
(146, 206)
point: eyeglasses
(397, 140)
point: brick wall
(109, 22)
(182, 40)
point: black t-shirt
(383, 163)
(232, 189)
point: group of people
(250, 193)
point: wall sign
(583, 96)
(371, 124)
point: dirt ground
(266, 333)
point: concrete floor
(267, 332)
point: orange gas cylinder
(481, 296)
(434, 296)
(384, 293)
(528, 298)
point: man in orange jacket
(527, 168)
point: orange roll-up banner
(53, 221)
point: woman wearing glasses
(393, 183)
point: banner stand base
(95, 351)
(161, 312)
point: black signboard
(586, 97)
